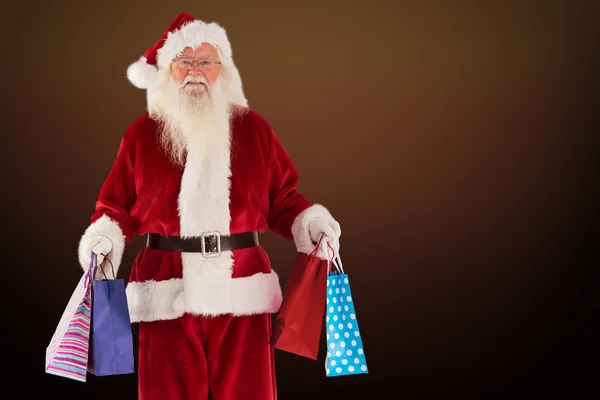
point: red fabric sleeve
(118, 192)
(285, 201)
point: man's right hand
(99, 245)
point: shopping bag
(67, 353)
(299, 321)
(345, 352)
(111, 340)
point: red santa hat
(186, 31)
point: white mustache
(195, 79)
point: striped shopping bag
(67, 353)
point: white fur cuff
(301, 232)
(107, 227)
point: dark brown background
(452, 141)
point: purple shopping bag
(111, 341)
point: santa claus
(201, 175)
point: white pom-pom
(141, 74)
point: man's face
(196, 70)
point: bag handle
(314, 252)
(94, 266)
(112, 268)
(335, 256)
(88, 274)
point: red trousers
(202, 358)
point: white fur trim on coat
(103, 226)
(300, 232)
(152, 301)
(204, 207)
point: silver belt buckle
(215, 244)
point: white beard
(189, 117)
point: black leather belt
(210, 244)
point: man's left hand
(331, 229)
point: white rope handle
(337, 261)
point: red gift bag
(298, 324)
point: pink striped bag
(67, 353)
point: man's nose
(195, 69)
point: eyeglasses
(187, 63)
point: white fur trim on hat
(141, 74)
(193, 34)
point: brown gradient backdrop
(452, 142)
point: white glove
(99, 245)
(330, 228)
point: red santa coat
(243, 183)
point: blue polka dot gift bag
(345, 352)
